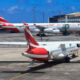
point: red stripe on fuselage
(12, 29)
(41, 59)
(6, 24)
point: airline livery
(47, 51)
(42, 28)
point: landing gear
(65, 33)
(65, 30)
(79, 33)
(13, 32)
(67, 59)
(41, 34)
(31, 63)
(73, 56)
(46, 62)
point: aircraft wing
(48, 29)
(41, 26)
(13, 43)
(44, 43)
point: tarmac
(14, 66)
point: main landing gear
(41, 34)
(67, 59)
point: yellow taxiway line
(19, 76)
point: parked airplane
(64, 28)
(47, 51)
(42, 28)
(19, 27)
(47, 28)
(14, 27)
(8, 26)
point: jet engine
(65, 29)
(50, 30)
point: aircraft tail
(30, 39)
(2, 19)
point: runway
(14, 66)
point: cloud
(12, 9)
(49, 1)
(73, 7)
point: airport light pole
(66, 18)
(60, 12)
(34, 14)
(43, 15)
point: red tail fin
(2, 19)
(32, 42)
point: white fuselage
(48, 27)
(55, 51)
(51, 27)
(53, 48)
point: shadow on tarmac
(34, 69)
(78, 61)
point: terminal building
(66, 18)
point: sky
(16, 11)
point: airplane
(14, 27)
(49, 50)
(42, 28)
(18, 27)
(59, 28)
(46, 51)
(47, 28)
(8, 26)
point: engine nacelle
(56, 31)
(56, 55)
(36, 30)
(50, 30)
